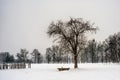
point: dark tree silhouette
(22, 56)
(100, 52)
(92, 50)
(70, 35)
(37, 56)
(48, 55)
(6, 57)
(54, 54)
(114, 47)
(9, 58)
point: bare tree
(37, 56)
(54, 54)
(22, 56)
(48, 55)
(100, 52)
(6, 57)
(70, 35)
(113, 47)
(92, 50)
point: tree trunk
(75, 62)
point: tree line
(22, 57)
(94, 52)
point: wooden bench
(63, 69)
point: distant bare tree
(70, 35)
(54, 54)
(9, 58)
(37, 56)
(92, 50)
(48, 55)
(22, 56)
(100, 52)
(113, 48)
(6, 57)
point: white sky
(24, 23)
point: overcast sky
(24, 23)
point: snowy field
(50, 72)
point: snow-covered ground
(50, 72)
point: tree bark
(75, 62)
